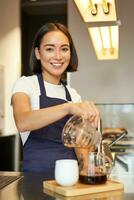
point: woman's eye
(65, 49)
(49, 49)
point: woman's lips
(57, 65)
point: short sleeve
(26, 85)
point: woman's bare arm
(27, 119)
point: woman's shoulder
(27, 78)
(74, 94)
(26, 84)
(27, 81)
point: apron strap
(68, 96)
(41, 84)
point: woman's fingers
(91, 113)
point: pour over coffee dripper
(78, 132)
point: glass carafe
(78, 132)
(98, 169)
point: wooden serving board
(116, 194)
(82, 189)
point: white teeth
(56, 64)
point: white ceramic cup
(66, 172)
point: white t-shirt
(30, 86)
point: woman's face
(54, 55)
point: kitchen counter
(30, 187)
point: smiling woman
(54, 55)
(42, 103)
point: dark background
(35, 13)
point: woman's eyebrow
(45, 45)
(65, 45)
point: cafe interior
(102, 31)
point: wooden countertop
(30, 187)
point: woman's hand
(86, 109)
(84, 134)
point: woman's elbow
(21, 127)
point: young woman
(42, 103)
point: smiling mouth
(56, 65)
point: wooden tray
(82, 189)
(116, 194)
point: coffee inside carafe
(96, 170)
(96, 179)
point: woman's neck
(50, 79)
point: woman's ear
(37, 53)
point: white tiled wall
(118, 116)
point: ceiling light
(105, 41)
(97, 10)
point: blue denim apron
(44, 146)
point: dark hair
(35, 64)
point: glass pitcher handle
(99, 129)
(109, 165)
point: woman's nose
(58, 54)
